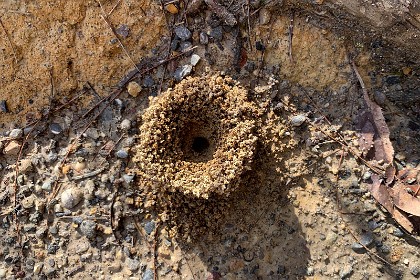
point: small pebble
(366, 175)
(310, 271)
(125, 124)
(3, 106)
(46, 186)
(56, 128)
(415, 271)
(397, 232)
(149, 227)
(298, 120)
(132, 264)
(148, 275)
(28, 202)
(366, 239)
(171, 8)
(217, 33)
(134, 89)
(38, 268)
(204, 39)
(379, 97)
(358, 248)
(128, 178)
(71, 197)
(16, 133)
(123, 30)
(182, 32)
(12, 148)
(346, 271)
(182, 72)
(121, 154)
(195, 59)
(88, 228)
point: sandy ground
(75, 207)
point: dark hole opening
(200, 144)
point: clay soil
(72, 205)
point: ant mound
(198, 138)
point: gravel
(3, 106)
(298, 120)
(88, 228)
(149, 227)
(56, 128)
(182, 71)
(16, 133)
(148, 274)
(123, 154)
(183, 33)
(71, 197)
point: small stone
(397, 232)
(148, 275)
(46, 186)
(204, 39)
(366, 175)
(415, 271)
(358, 248)
(52, 248)
(182, 32)
(298, 120)
(132, 264)
(79, 166)
(128, 178)
(379, 97)
(56, 128)
(182, 72)
(346, 271)
(123, 30)
(38, 268)
(16, 133)
(149, 227)
(134, 89)
(71, 197)
(12, 148)
(3, 106)
(88, 228)
(195, 59)
(310, 271)
(171, 8)
(28, 202)
(406, 262)
(125, 124)
(122, 154)
(217, 33)
(366, 239)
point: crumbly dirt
(73, 203)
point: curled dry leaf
(381, 193)
(405, 201)
(384, 151)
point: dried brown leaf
(382, 144)
(381, 193)
(405, 201)
(402, 219)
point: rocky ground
(71, 205)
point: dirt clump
(198, 138)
